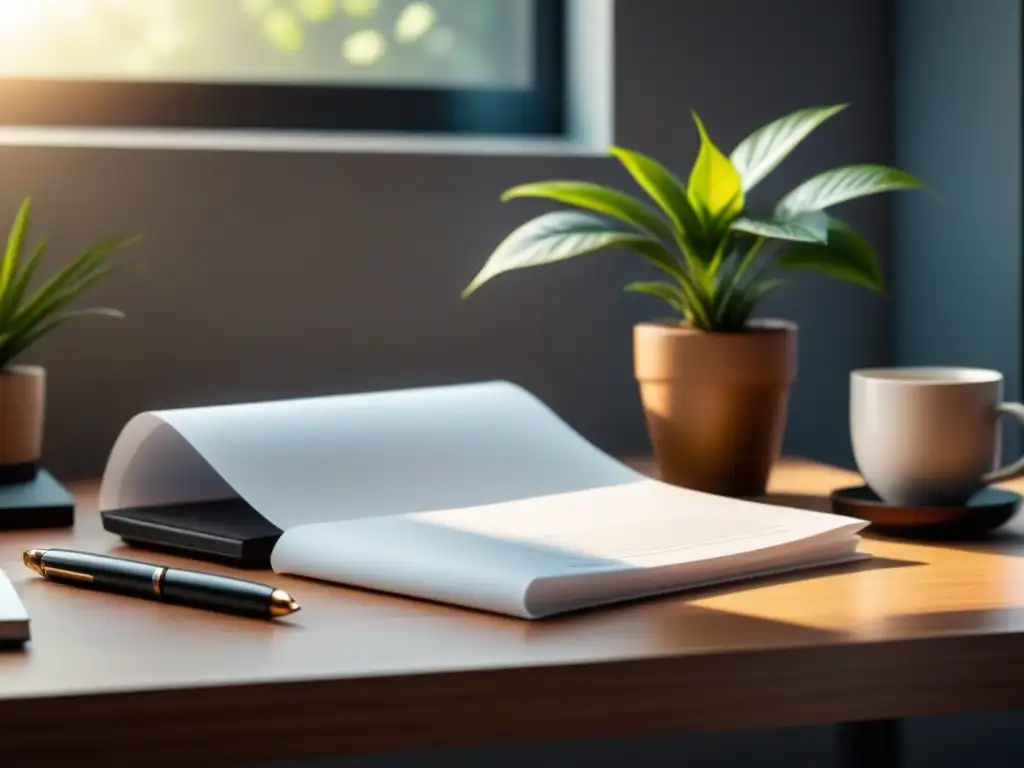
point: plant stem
(749, 258)
(699, 317)
(719, 257)
(693, 265)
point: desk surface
(922, 629)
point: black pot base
(40, 502)
(13, 474)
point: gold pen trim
(63, 573)
(158, 577)
(34, 559)
(282, 604)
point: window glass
(400, 43)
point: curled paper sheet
(349, 456)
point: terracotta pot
(22, 404)
(715, 403)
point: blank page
(337, 458)
(489, 556)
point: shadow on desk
(1008, 540)
(683, 618)
(812, 502)
(981, 620)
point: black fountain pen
(155, 582)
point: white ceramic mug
(929, 436)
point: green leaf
(12, 255)
(761, 288)
(14, 346)
(847, 256)
(80, 267)
(740, 298)
(22, 324)
(594, 197)
(715, 186)
(549, 238)
(664, 188)
(63, 317)
(691, 235)
(846, 183)
(19, 285)
(66, 285)
(667, 292)
(762, 151)
(746, 301)
(658, 255)
(698, 296)
(735, 275)
(720, 223)
(42, 305)
(810, 227)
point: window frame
(456, 111)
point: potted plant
(26, 317)
(714, 382)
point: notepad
(477, 495)
(13, 617)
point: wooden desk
(921, 630)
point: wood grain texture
(922, 629)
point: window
(425, 66)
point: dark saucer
(983, 512)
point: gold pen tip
(34, 559)
(282, 604)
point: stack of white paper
(13, 618)
(477, 495)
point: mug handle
(1016, 469)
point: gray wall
(276, 275)
(958, 125)
(958, 270)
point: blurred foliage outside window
(400, 43)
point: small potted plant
(26, 316)
(714, 382)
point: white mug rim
(929, 376)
